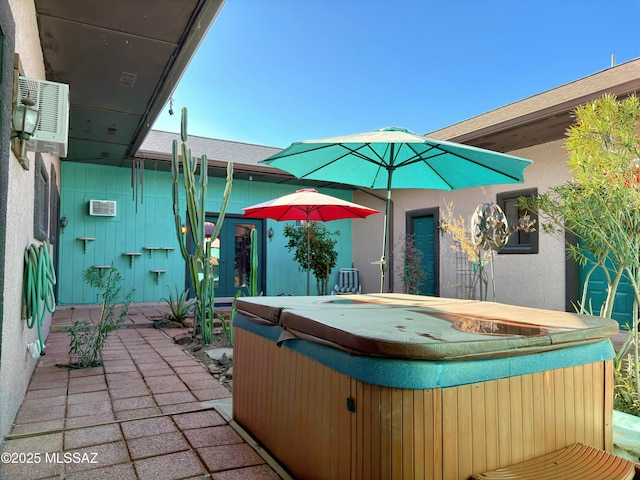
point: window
(54, 204)
(519, 241)
(41, 205)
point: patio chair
(578, 461)
(348, 282)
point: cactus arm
(183, 125)
(225, 200)
(203, 189)
(175, 172)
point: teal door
(231, 255)
(234, 255)
(597, 294)
(422, 225)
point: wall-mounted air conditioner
(52, 101)
(102, 208)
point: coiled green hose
(38, 280)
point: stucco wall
(16, 366)
(535, 280)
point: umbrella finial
(396, 129)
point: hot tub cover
(412, 326)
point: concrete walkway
(150, 412)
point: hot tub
(403, 386)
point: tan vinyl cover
(410, 326)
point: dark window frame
(524, 243)
(41, 205)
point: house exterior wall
(153, 225)
(20, 31)
(533, 280)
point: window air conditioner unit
(52, 101)
(102, 208)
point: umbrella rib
(351, 151)
(416, 159)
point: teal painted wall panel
(153, 226)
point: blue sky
(273, 72)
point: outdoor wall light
(24, 121)
(270, 233)
(64, 221)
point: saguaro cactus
(199, 260)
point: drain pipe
(390, 246)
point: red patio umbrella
(309, 205)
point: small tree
(601, 207)
(323, 255)
(88, 340)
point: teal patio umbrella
(393, 158)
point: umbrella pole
(385, 240)
(308, 254)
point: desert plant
(180, 305)
(480, 242)
(601, 207)
(412, 272)
(199, 262)
(88, 340)
(323, 255)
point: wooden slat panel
(294, 420)
(396, 433)
(334, 424)
(578, 402)
(491, 424)
(364, 458)
(357, 428)
(504, 422)
(608, 406)
(385, 433)
(516, 420)
(539, 427)
(589, 403)
(450, 432)
(479, 427)
(569, 406)
(559, 402)
(527, 416)
(549, 412)
(466, 451)
(598, 410)
(343, 439)
(419, 434)
(408, 419)
(296, 408)
(376, 433)
(438, 429)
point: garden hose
(38, 280)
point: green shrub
(88, 340)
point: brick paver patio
(150, 412)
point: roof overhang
(122, 60)
(544, 117)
